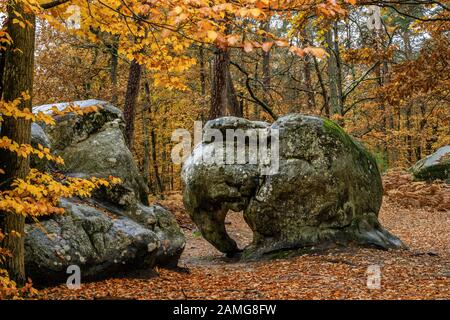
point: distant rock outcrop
(435, 166)
(114, 230)
(327, 190)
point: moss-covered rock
(71, 128)
(86, 236)
(326, 191)
(111, 158)
(115, 229)
(435, 166)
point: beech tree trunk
(17, 78)
(131, 97)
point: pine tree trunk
(218, 86)
(235, 108)
(223, 94)
(131, 97)
(17, 78)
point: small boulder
(435, 166)
(94, 145)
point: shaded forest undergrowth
(418, 212)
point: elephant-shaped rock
(326, 189)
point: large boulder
(94, 145)
(113, 231)
(435, 166)
(327, 189)
(72, 128)
(99, 243)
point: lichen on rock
(433, 167)
(113, 231)
(327, 191)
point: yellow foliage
(39, 193)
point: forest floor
(418, 213)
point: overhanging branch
(252, 94)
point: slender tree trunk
(202, 71)
(380, 72)
(409, 142)
(266, 75)
(256, 106)
(164, 167)
(146, 110)
(171, 175)
(337, 53)
(348, 46)
(266, 68)
(155, 162)
(2, 67)
(308, 83)
(2, 59)
(234, 105)
(311, 99)
(433, 139)
(326, 100)
(2, 70)
(334, 73)
(114, 63)
(409, 152)
(17, 78)
(201, 57)
(131, 97)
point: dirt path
(199, 252)
(419, 273)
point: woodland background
(388, 87)
(378, 68)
